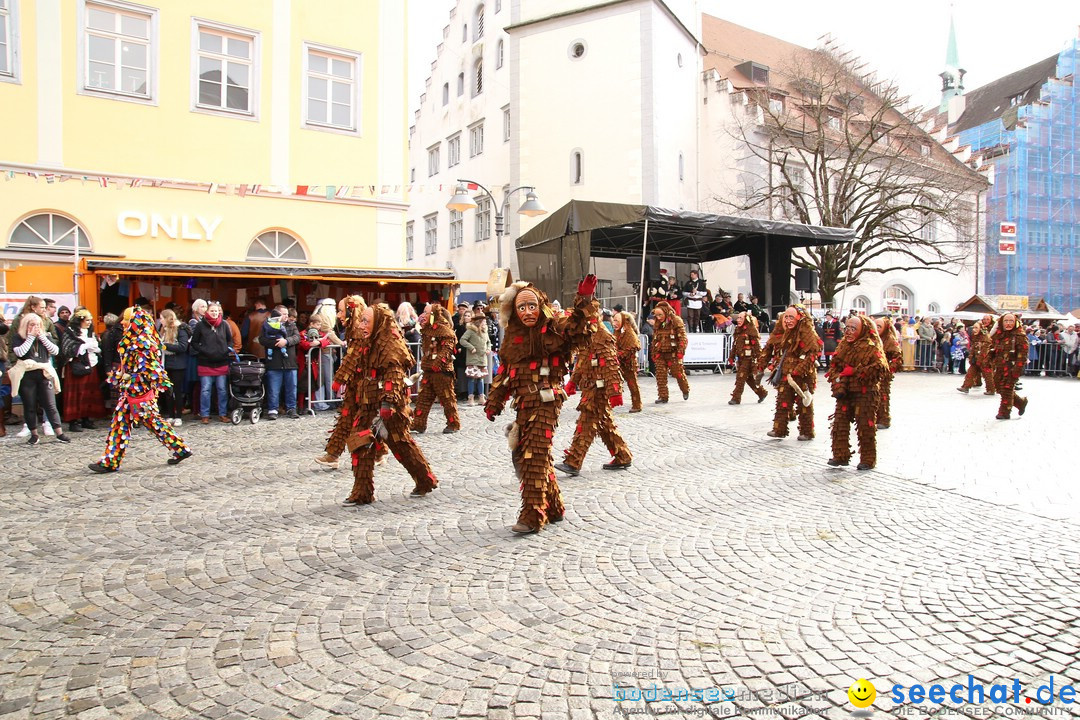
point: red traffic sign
(1008, 229)
(1006, 247)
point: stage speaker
(805, 280)
(633, 268)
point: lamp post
(462, 201)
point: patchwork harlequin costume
(745, 349)
(627, 346)
(439, 344)
(379, 414)
(667, 350)
(979, 366)
(1008, 354)
(354, 308)
(795, 356)
(138, 378)
(890, 345)
(533, 363)
(856, 372)
(596, 374)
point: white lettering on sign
(178, 227)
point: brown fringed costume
(979, 369)
(771, 350)
(890, 345)
(439, 344)
(745, 349)
(667, 350)
(795, 356)
(627, 345)
(382, 408)
(857, 370)
(354, 308)
(1008, 355)
(596, 374)
(533, 363)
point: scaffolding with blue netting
(1037, 186)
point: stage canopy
(555, 254)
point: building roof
(728, 45)
(993, 101)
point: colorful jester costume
(596, 374)
(354, 308)
(533, 362)
(857, 370)
(890, 345)
(746, 348)
(379, 399)
(667, 350)
(138, 378)
(1008, 355)
(438, 341)
(627, 345)
(979, 369)
(795, 356)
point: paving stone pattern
(235, 585)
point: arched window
(577, 167)
(478, 74)
(49, 231)
(897, 298)
(934, 308)
(499, 54)
(277, 245)
(861, 303)
(445, 93)
(479, 23)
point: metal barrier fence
(1050, 359)
(319, 387)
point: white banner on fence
(706, 349)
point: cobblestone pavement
(236, 586)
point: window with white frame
(476, 140)
(506, 124)
(276, 245)
(118, 49)
(897, 299)
(49, 231)
(457, 228)
(453, 150)
(409, 241)
(332, 88)
(933, 308)
(431, 233)
(928, 227)
(433, 161)
(9, 37)
(478, 77)
(225, 67)
(499, 54)
(861, 304)
(483, 218)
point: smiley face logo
(861, 693)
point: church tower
(952, 78)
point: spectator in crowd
(1070, 347)
(407, 319)
(605, 320)
(909, 335)
(694, 291)
(32, 306)
(764, 321)
(191, 374)
(461, 321)
(279, 336)
(234, 330)
(5, 389)
(175, 337)
(50, 313)
(830, 333)
(82, 391)
(959, 350)
(212, 344)
(320, 334)
(477, 348)
(251, 328)
(927, 345)
(33, 376)
(740, 304)
(63, 318)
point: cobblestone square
(235, 585)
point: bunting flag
(255, 189)
(344, 191)
(49, 178)
(330, 190)
(242, 190)
(212, 189)
(103, 181)
(137, 182)
(302, 189)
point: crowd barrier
(1050, 359)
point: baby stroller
(246, 390)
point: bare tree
(828, 145)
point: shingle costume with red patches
(596, 375)
(377, 387)
(890, 345)
(139, 377)
(746, 348)
(438, 343)
(533, 365)
(667, 350)
(795, 355)
(627, 346)
(980, 369)
(1008, 355)
(354, 305)
(856, 372)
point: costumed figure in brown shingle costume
(667, 350)
(353, 307)
(745, 349)
(1008, 356)
(381, 400)
(979, 367)
(771, 350)
(596, 374)
(857, 370)
(627, 345)
(533, 361)
(438, 342)
(794, 373)
(890, 345)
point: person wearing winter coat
(81, 388)
(280, 337)
(477, 347)
(211, 344)
(175, 337)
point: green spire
(952, 78)
(952, 55)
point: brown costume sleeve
(499, 392)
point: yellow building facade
(205, 149)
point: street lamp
(462, 201)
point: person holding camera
(856, 373)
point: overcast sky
(902, 41)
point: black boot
(87, 424)
(74, 427)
